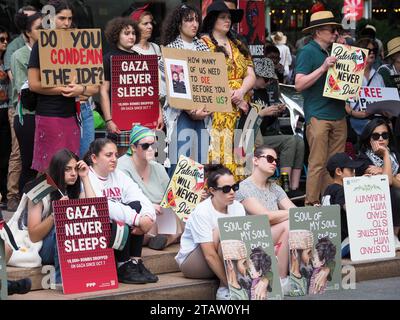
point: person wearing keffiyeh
(181, 31)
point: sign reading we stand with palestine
(70, 55)
(83, 233)
(134, 91)
(344, 79)
(184, 190)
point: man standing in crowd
(325, 117)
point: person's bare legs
(8, 251)
(295, 179)
(280, 234)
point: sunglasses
(269, 158)
(376, 136)
(331, 30)
(3, 39)
(372, 51)
(145, 146)
(227, 189)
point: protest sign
(314, 247)
(369, 217)
(252, 26)
(378, 100)
(83, 233)
(68, 55)
(3, 272)
(249, 258)
(184, 190)
(344, 79)
(134, 91)
(196, 80)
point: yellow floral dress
(224, 123)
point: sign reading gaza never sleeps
(71, 55)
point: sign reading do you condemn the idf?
(344, 79)
(83, 233)
(70, 55)
(196, 80)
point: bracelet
(107, 121)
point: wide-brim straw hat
(233, 249)
(279, 38)
(301, 239)
(321, 18)
(393, 46)
(217, 7)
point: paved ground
(381, 289)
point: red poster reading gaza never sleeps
(83, 235)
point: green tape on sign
(3, 272)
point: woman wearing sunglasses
(379, 156)
(258, 195)
(138, 164)
(359, 118)
(198, 255)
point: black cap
(219, 6)
(342, 160)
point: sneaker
(285, 285)
(151, 278)
(345, 248)
(21, 286)
(12, 204)
(396, 243)
(223, 294)
(158, 242)
(130, 273)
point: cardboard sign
(196, 80)
(247, 241)
(314, 247)
(134, 91)
(184, 190)
(378, 100)
(344, 79)
(3, 272)
(252, 26)
(70, 54)
(83, 233)
(369, 217)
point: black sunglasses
(331, 30)
(269, 158)
(145, 146)
(374, 51)
(227, 189)
(376, 136)
(3, 39)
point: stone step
(171, 286)
(156, 261)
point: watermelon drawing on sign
(171, 199)
(333, 84)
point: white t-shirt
(189, 45)
(120, 190)
(153, 49)
(200, 225)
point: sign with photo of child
(314, 250)
(344, 79)
(369, 217)
(184, 190)
(249, 258)
(196, 80)
(3, 272)
(70, 55)
(83, 232)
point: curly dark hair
(262, 261)
(326, 250)
(173, 22)
(24, 22)
(115, 26)
(208, 28)
(60, 5)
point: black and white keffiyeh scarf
(378, 161)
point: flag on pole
(37, 189)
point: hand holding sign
(328, 63)
(72, 89)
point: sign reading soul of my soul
(369, 217)
(314, 247)
(70, 55)
(134, 91)
(196, 80)
(3, 272)
(83, 235)
(184, 190)
(249, 258)
(344, 79)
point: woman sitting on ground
(138, 164)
